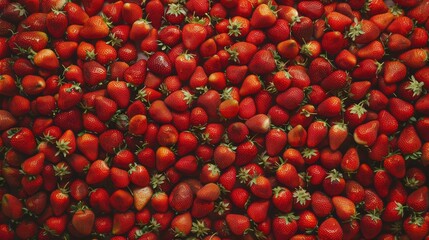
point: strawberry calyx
(176, 9)
(152, 226)
(358, 109)
(233, 55)
(289, 217)
(62, 147)
(80, 206)
(414, 156)
(400, 208)
(355, 30)
(277, 190)
(396, 10)
(188, 97)
(234, 28)
(415, 86)
(416, 219)
(301, 195)
(222, 207)
(61, 171)
(244, 176)
(20, 9)
(412, 182)
(200, 229)
(157, 180)
(334, 175)
(114, 41)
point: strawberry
(193, 35)
(275, 141)
(366, 134)
(418, 200)
(400, 109)
(83, 219)
(224, 156)
(337, 135)
(330, 229)
(123, 222)
(22, 140)
(55, 225)
(333, 42)
(363, 32)
(302, 28)
(56, 23)
(414, 58)
(98, 172)
(263, 16)
(291, 98)
(93, 73)
(285, 226)
(94, 28)
(259, 123)
(394, 71)
(261, 187)
(316, 133)
(330, 107)
(408, 141)
(334, 183)
(181, 197)
(237, 223)
(11, 206)
(321, 204)
(33, 165)
(415, 227)
(395, 165)
(287, 175)
(371, 225)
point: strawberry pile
(229, 119)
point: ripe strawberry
(330, 107)
(418, 200)
(22, 140)
(371, 225)
(415, 227)
(330, 229)
(94, 28)
(11, 206)
(237, 223)
(334, 183)
(193, 35)
(123, 222)
(337, 135)
(395, 165)
(363, 32)
(285, 226)
(302, 28)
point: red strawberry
(237, 223)
(98, 171)
(400, 109)
(344, 207)
(415, 227)
(366, 134)
(337, 135)
(321, 204)
(316, 133)
(263, 16)
(193, 35)
(22, 140)
(330, 229)
(83, 219)
(11, 206)
(34, 164)
(285, 226)
(363, 32)
(330, 107)
(418, 200)
(94, 28)
(395, 165)
(371, 225)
